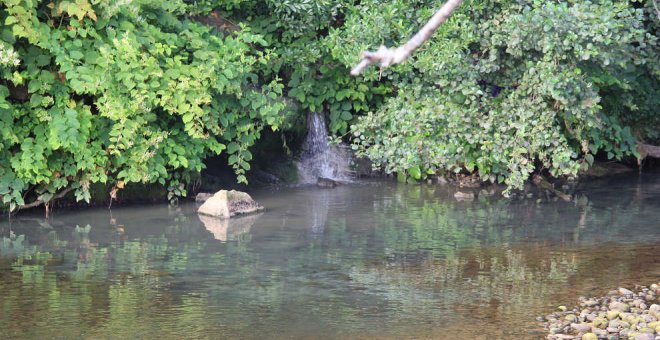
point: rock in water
(464, 196)
(225, 204)
(325, 183)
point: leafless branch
(647, 150)
(39, 202)
(386, 57)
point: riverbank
(283, 174)
(623, 313)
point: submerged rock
(464, 196)
(326, 183)
(225, 204)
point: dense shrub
(120, 92)
(508, 87)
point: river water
(369, 260)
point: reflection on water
(371, 260)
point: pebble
(624, 291)
(645, 336)
(621, 314)
(613, 314)
(581, 327)
(589, 336)
(619, 306)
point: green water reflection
(371, 260)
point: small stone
(600, 332)
(589, 336)
(624, 291)
(570, 317)
(620, 306)
(581, 327)
(613, 314)
(648, 318)
(562, 308)
(644, 336)
(590, 303)
(600, 322)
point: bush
(507, 88)
(141, 91)
(123, 92)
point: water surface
(370, 260)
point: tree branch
(647, 150)
(386, 57)
(39, 202)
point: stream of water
(319, 158)
(370, 260)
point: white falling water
(321, 159)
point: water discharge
(367, 260)
(319, 158)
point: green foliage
(315, 80)
(141, 91)
(506, 88)
(121, 92)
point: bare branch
(39, 202)
(647, 150)
(386, 57)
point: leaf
(345, 115)
(232, 147)
(10, 20)
(76, 55)
(589, 158)
(415, 172)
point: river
(374, 259)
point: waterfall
(321, 159)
